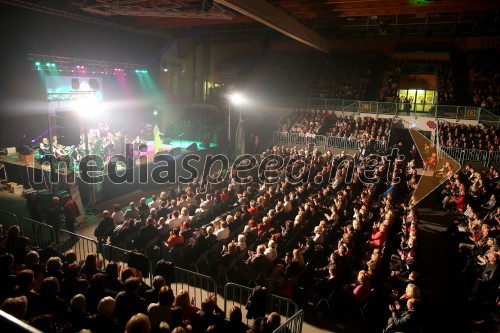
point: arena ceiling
(326, 18)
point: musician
(44, 146)
(103, 129)
(158, 141)
(54, 142)
(108, 146)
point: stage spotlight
(237, 99)
(155, 112)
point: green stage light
(48, 64)
(37, 63)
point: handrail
(293, 324)
(12, 324)
(41, 234)
(202, 285)
(119, 255)
(80, 244)
(389, 108)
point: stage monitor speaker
(176, 151)
(192, 147)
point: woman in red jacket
(379, 235)
(461, 201)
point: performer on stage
(158, 141)
(44, 146)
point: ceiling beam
(277, 19)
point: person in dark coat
(104, 321)
(256, 304)
(105, 227)
(128, 302)
(146, 233)
(53, 213)
(403, 321)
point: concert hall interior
(250, 166)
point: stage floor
(182, 144)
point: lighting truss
(83, 66)
(67, 96)
(165, 8)
(83, 18)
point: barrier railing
(389, 108)
(40, 234)
(121, 257)
(293, 324)
(453, 152)
(235, 294)
(8, 220)
(198, 285)
(12, 324)
(493, 158)
(80, 244)
(475, 155)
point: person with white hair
(242, 242)
(132, 212)
(104, 321)
(270, 251)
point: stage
(36, 176)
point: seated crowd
(468, 136)
(484, 79)
(276, 234)
(472, 196)
(55, 292)
(307, 122)
(351, 127)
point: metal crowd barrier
(198, 285)
(493, 158)
(453, 152)
(293, 324)
(121, 257)
(323, 141)
(235, 294)
(335, 142)
(40, 234)
(80, 244)
(475, 155)
(7, 220)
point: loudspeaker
(192, 147)
(68, 127)
(176, 151)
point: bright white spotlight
(155, 112)
(87, 107)
(237, 99)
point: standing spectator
(71, 212)
(53, 213)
